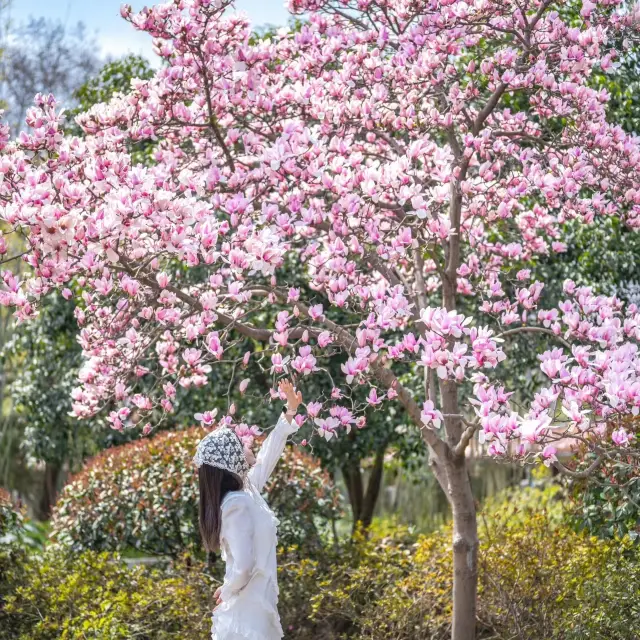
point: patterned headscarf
(223, 449)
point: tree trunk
(49, 490)
(353, 479)
(373, 489)
(465, 527)
(363, 503)
(465, 552)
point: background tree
(45, 56)
(45, 357)
(114, 78)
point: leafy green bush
(144, 495)
(607, 503)
(11, 518)
(541, 579)
(11, 553)
(388, 584)
(93, 595)
(538, 578)
(16, 529)
(304, 498)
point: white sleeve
(237, 535)
(270, 452)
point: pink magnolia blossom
(247, 434)
(316, 312)
(305, 362)
(344, 415)
(279, 363)
(373, 398)
(621, 437)
(314, 408)
(549, 455)
(327, 427)
(324, 339)
(430, 415)
(207, 418)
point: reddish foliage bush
(145, 495)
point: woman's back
(248, 542)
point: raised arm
(273, 446)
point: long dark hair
(214, 485)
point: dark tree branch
(578, 474)
(544, 330)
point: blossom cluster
(377, 155)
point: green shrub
(388, 585)
(11, 518)
(541, 579)
(298, 580)
(11, 553)
(538, 579)
(305, 500)
(144, 495)
(72, 596)
(607, 503)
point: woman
(235, 519)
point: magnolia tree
(405, 159)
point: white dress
(249, 608)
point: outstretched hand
(294, 398)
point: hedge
(66, 595)
(539, 578)
(144, 495)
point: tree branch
(513, 332)
(467, 434)
(489, 107)
(578, 474)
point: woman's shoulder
(239, 499)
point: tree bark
(363, 502)
(373, 489)
(465, 526)
(49, 490)
(353, 479)
(465, 529)
(465, 551)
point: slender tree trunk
(363, 502)
(373, 489)
(49, 490)
(353, 479)
(465, 526)
(465, 552)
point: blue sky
(115, 36)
